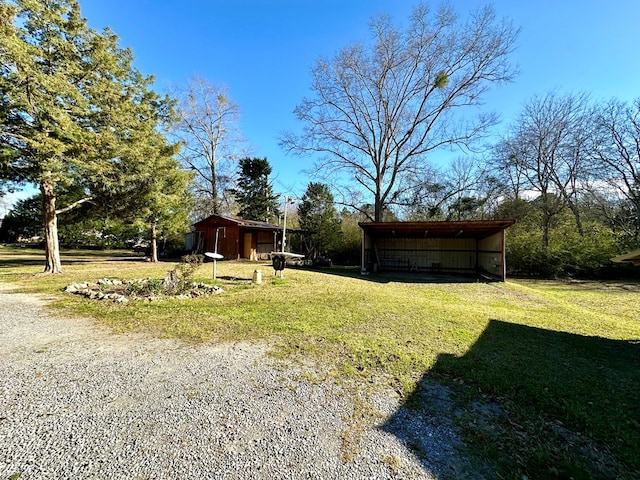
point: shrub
(568, 254)
(144, 287)
(188, 266)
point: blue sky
(263, 52)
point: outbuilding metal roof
(240, 222)
(457, 229)
(632, 257)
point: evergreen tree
(159, 200)
(70, 105)
(254, 193)
(23, 220)
(318, 215)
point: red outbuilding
(236, 238)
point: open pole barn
(475, 247)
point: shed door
(249, 251)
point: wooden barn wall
(491, 254)
(423, 254)
(228, 241)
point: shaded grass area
(572, 400)
(560, 361)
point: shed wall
(228, 241)
(491, 254)
(265, 244)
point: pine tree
(254, 193)
(157, 189)
(70, 105)
(318, 215)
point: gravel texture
(78, 401)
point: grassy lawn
(546, 374)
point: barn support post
(504, 256)
(363, 265)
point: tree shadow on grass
(22, 262)
(624, 284)
(31, 258)
(538, 403)
(232, 279)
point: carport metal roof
(458, 229)
(632, 257)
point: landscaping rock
(121, 291)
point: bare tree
(508, 171)
(441, 194)
(617, 155)
(548, 147)
(208, 127)
(379, 110)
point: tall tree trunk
(154, 242)
(635, 212)
(378, 206)
(214, 189)
(546, 226)
(546, 221)
(50, 218)
(576, 214)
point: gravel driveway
(77, 401)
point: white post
(215, 251)
(284, 226)
(284, 231)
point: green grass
(561, 360)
